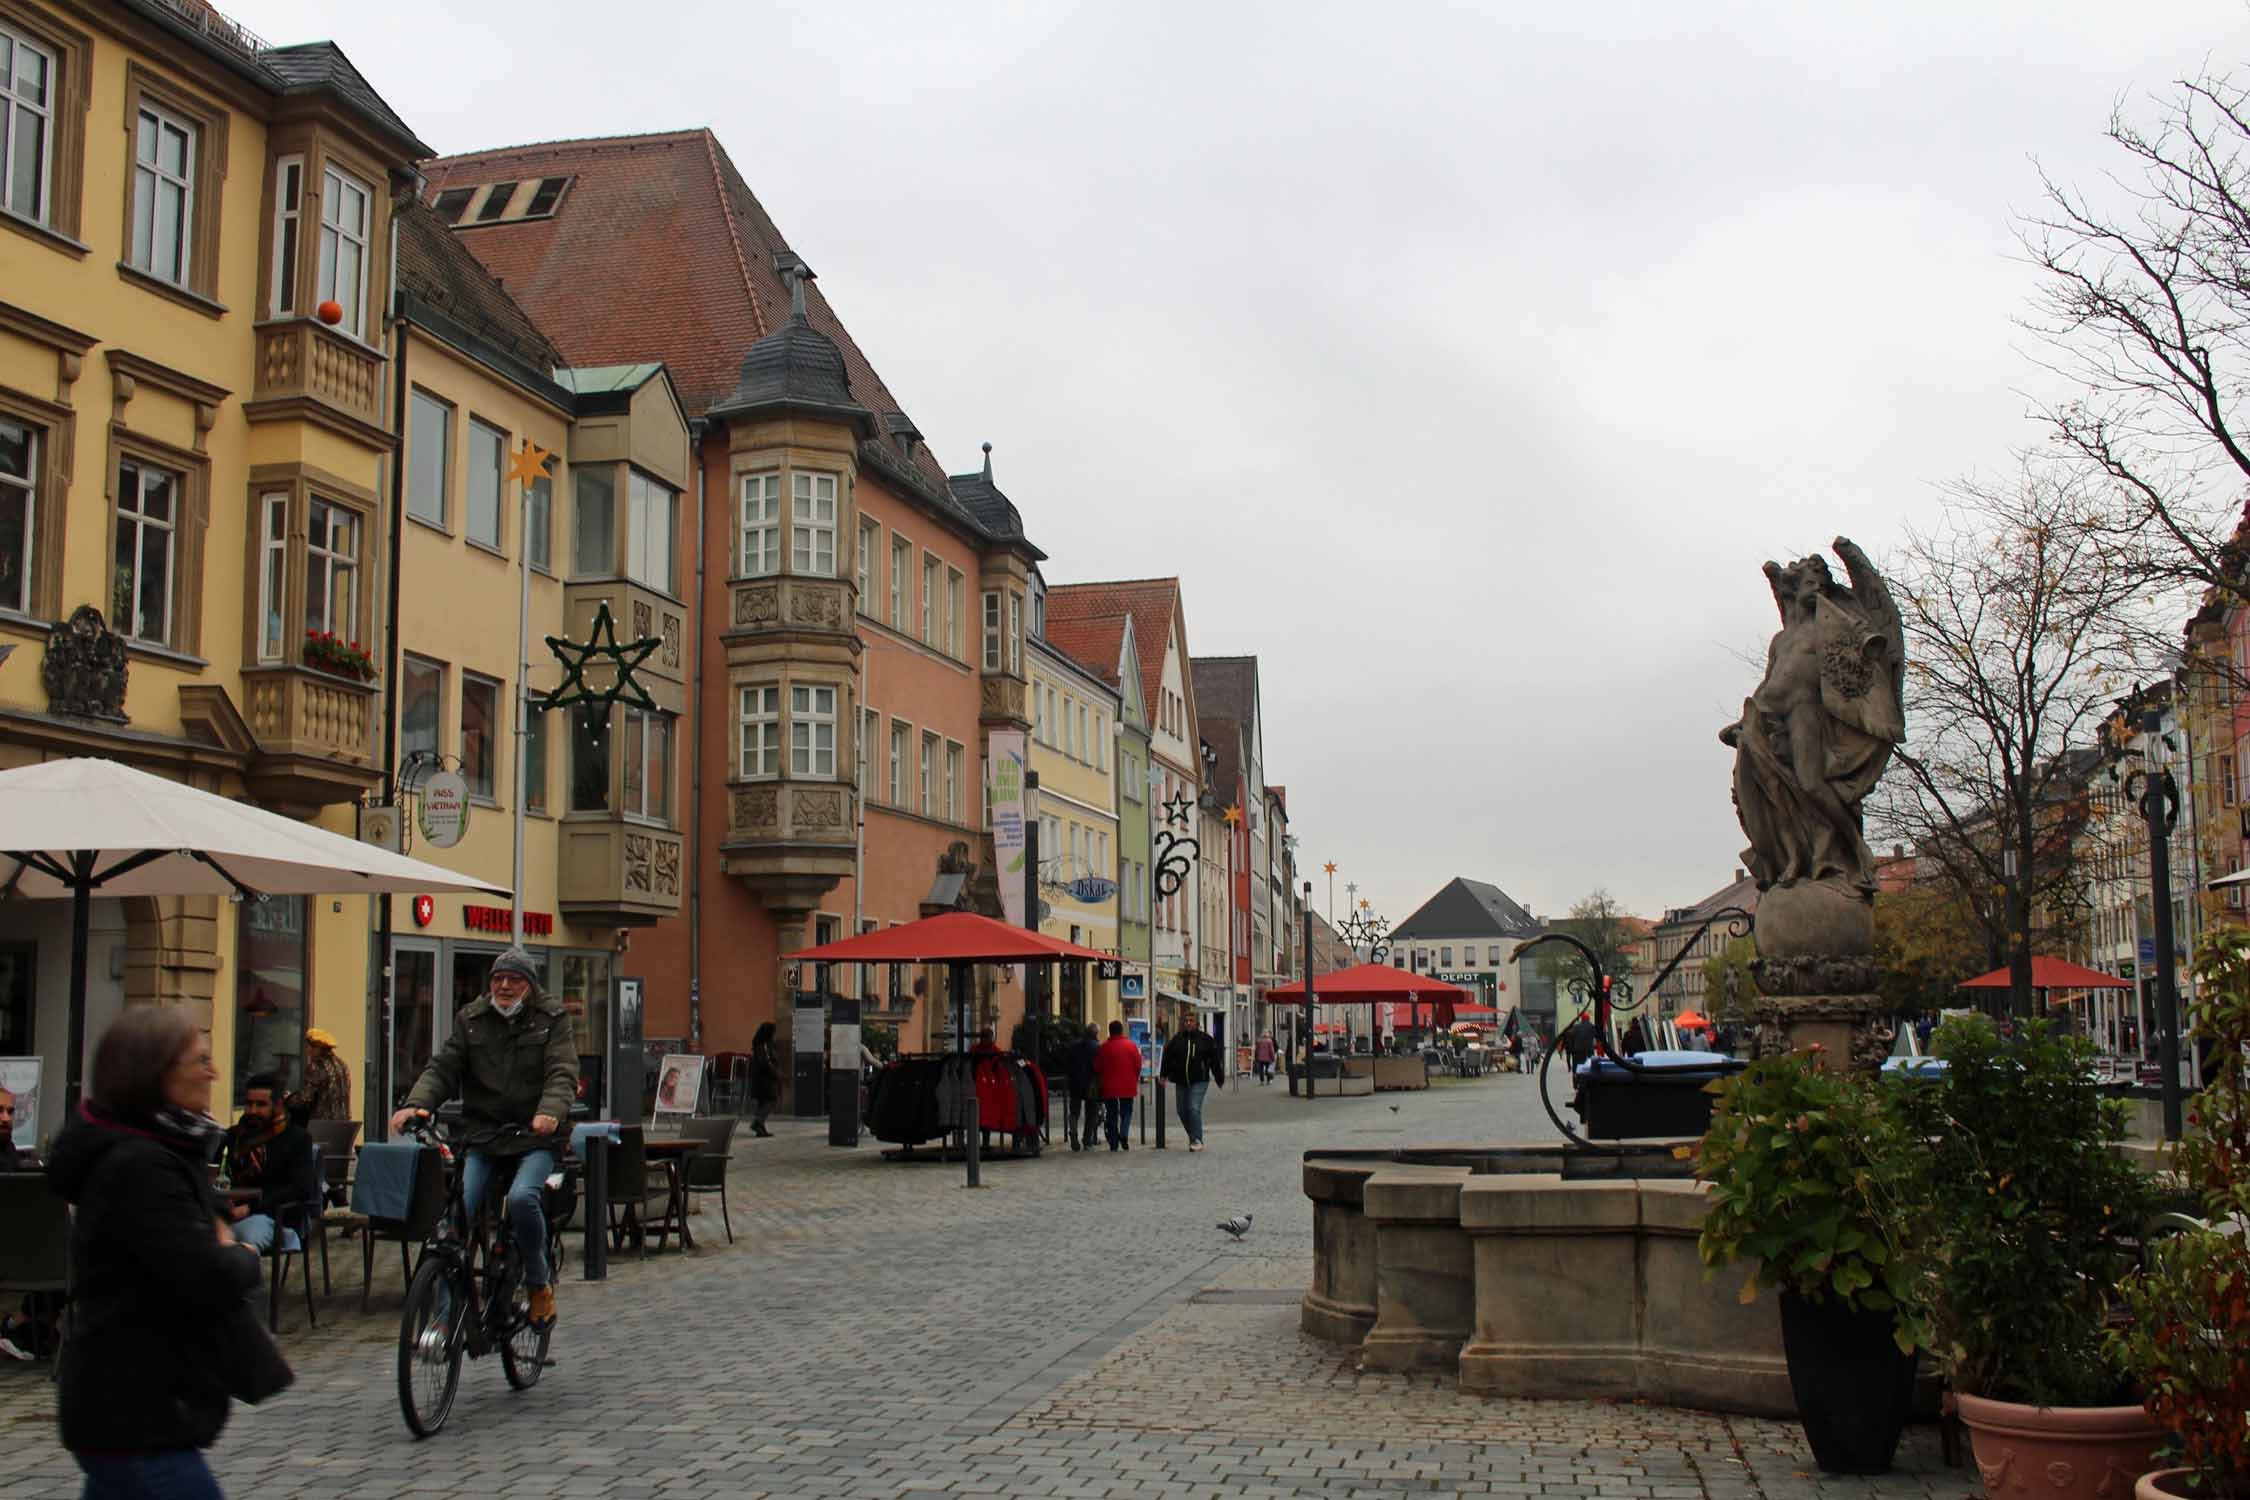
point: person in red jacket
(1117, 1073)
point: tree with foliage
(1598, 921)
(1730, 983)
(1926, 943)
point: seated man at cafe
(28, 1332)
(12, 1157)
(269, 1152)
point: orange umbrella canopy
(2051, 974)
(1690, 1019)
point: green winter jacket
(505, 1071)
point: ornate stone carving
(638, 860)
(819, 809)
(1856, 1028)
(667, 868)
(1001, 698)
(84, 672)
(757, 604)
(644, 619)
(1815, 975)
(756, 808)
(815, 606)
(671, 640)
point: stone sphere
(1810, 920)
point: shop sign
(425, 910)
(1092, 889)
(1133, 986)
(443, 816)
(496, 919)
(1108, 968)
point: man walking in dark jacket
(1191, 1065)
(1085, 1103)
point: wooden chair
(707, 1169)
(34, 1241)
(293, 1231)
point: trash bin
(1617, 1104)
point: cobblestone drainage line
(1089, 1351)
(1248, 1297)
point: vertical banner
(1005, 798)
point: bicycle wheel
(523, 1348)
(429, 1347)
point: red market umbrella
(1365, 983)
(2051, 974)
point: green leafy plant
(2017, 1216)
(1798, 1156)
(2188, 1343)
(328, 653)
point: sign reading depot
(443, 816)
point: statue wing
(1863, 652)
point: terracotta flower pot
(2163, 1484)
(2059, 1452)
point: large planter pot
(2059, 1452)
(1853, 1386)
(2167, 1484)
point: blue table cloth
(384, 1185)
(580, 1133)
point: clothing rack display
(916, 1099)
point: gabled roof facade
(1153, 604)
(1468, 908)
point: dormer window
(508, 202)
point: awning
(951, 937)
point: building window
(495, 202)
(288, 224)
(163, 195)
(27, 84)
(539, 524)
(992, 637)
(429, 456)
(654, 520)
(900, 731)
(1072, 718)
(148, 501)
(343, 246)
(870, 747)
(865, 562)
(535, 760)
(902, 562)
(955, 583)
(1445, 956)
(812, 515)
(331, 570)
(273, 576)
(1492, 952)
(926, 782)
(954, 755)
(1085, 744)
(761, 732)
(269, 990)
(930, 567)
(812, 731)
(761, 525)
(480, 734)
(488, 459)
(594, 547)
(1015, 635)
(589, 758)
(421, 699)
(648, 765)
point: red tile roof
(659, 251)
(1095, 643)
(1152, 602)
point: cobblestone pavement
(1078, 1327)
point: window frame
(994, 641)
(46, 111)
(925, 770)
(812, 719)
(207, 126)
(956, 760)
(171, 527)
(288, 219)
(410, 662)
(601, 478)
(635, 731)
(473, 471)
(767, 526)
(26, 603)
(417, 400)
(536, 766)
(933, 574)
(180, 245)
(486, 792)
(900, 746)
(956, 590)
(866, 743)
(902, 583)
(640, 489)
(347, 628)
(808, 531)
(869, 535)
(767, 723)
(539, 525)
(354, 321)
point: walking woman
(765, 1077)
(157, 1272)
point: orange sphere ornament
(330, 312)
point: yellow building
(476, 380)
(191, 480)
(1073, 750)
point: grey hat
(515, 961)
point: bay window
(648, 765)
(653, 523)
(342, 277)
(760, 720)
(812, 731)
(812, 536)
(332, 571)
(288, 229)
(761, 525)
(273, 576)
(594, 546)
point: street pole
(2159, 804)
(1308, 1033)
(1034, 975)
(523, 699)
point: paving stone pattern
(1078, 1327)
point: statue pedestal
(1853, 1030)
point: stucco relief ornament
(84, 671)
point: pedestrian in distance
(765, 1077)
(1191, 1065)
(1085, 1100)
(157, 1273)
(1578, 1042)
(1636, 1038)
(1262, 1058)
(328, 1083)
(1117, 1072)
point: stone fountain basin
(1482, 1260)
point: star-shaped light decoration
(529, 464)
(1233, 816)
(1365, 904)
(601, 642)
(1330, 867)
(1179, 810)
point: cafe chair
(400, 1200)
(335, 1138)
(34, 1241)
(293, 1235)
(630, 1190)
(707, 1169)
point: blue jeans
(173, 1474)
(1117, 1120)
(527, 1218)
(1191, 1109)
(256, 1231)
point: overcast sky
(1464, 361)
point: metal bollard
(594, 1202)
(1158, 1111)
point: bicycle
(468, 1295)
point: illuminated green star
(601, 642)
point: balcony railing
(223, 29)
(315, 735)
(304, 359)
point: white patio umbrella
(81, 828)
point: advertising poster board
(679, 1082)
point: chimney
(1898, 851)
(1739, 872)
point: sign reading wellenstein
(1005, 798)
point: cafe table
(673, 1153)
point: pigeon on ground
(1394, 1109)
(1238, 1226)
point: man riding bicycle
(513, 1060)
